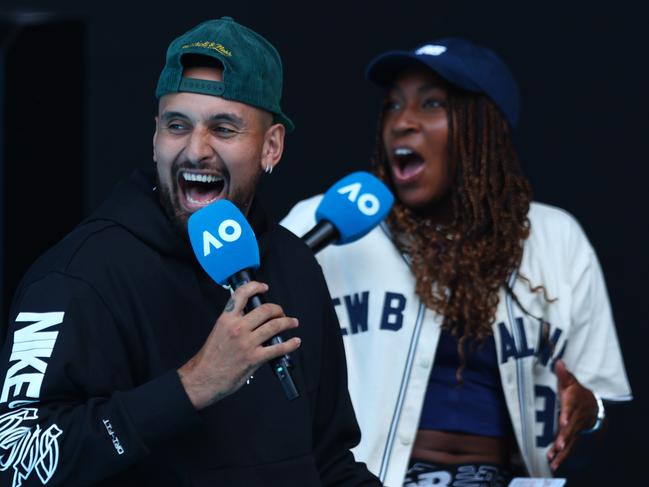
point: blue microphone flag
(355, 205)
(223, 240)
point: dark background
(582, 67)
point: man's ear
(155, 136)
(273, 147)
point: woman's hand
(578, 413)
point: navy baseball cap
(461, 63)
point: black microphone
(322, 234)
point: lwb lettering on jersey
(356, 305)
(32, 343)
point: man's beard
(176, 215)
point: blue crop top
(475, 406)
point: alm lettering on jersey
(544, 350)
(31, 344)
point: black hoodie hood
(134, 205)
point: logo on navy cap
(431, 50)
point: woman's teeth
(403, 151)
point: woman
(467, 314)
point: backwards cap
(461, 63)
(252, 68)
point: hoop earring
(268, 169)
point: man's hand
(578, 412)
(234, 348)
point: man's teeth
(196, 202)
(201, 178)
(403, 151)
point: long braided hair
(460, 268)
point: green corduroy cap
(252, 68)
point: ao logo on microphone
(370, 201)
(229, 231)
(222, 240)
(367, 203)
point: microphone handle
(320, 236)
(280, 365)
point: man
(125, 364)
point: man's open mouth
(200, 189)
(406, 163)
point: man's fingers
(273, 351)
(263, 314)
(274, 327)
(239, 299)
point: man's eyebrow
(228, 117)
(216, 118)
(170, 115)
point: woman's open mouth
(406, 164)
(198, 189)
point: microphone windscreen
(223, 240)
(355, 205)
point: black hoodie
(101, 323)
